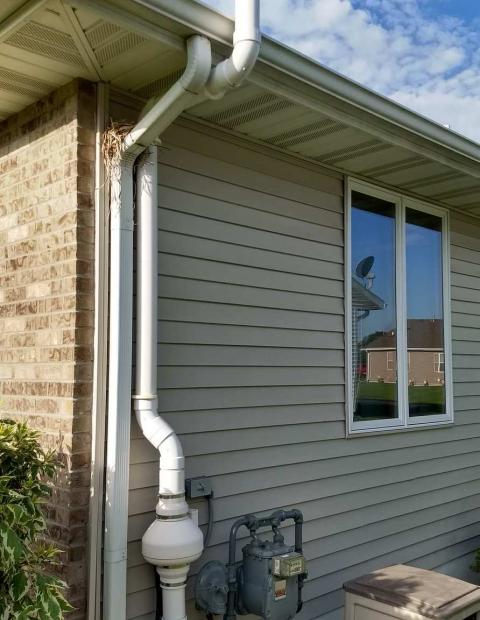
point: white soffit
(138, 48)
(57, 43)
(317, 136)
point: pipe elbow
(199, 64)
(246, 46)
(159, 433)
(171, 453)
(231, 72)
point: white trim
(401, 309)
(409, 349)
(99, 365)
(439, 360)
(360, 186)
(348, 306)
(403, 422)
(448, 416)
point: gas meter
(267, 582)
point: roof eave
(200, 18)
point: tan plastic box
(410, 593)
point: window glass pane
(426, 357)
(374, 340)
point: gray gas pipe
(269, 580)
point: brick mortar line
(18, 138)
(58, 169)
(33, 298)
(74, 159)
(73, 208)
(49, 219)
(66, 246)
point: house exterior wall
(380, 366)
(46, 299)
(251, 375)
(422, 367)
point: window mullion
(401, 291)
(447, 318)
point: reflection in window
(425, 330)
(374, 342)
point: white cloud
(430, 64)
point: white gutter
(173, 540)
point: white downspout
(173, 541)
(119, 389)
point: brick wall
(46, 298)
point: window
(397, 311)
(440, 362)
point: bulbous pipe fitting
(172, 542)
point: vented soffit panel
(263, 116)
(56, 43)
(289, 103)
(297, 105)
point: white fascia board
(385, 114)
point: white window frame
(404, 421)
(439, 360)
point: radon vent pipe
(246, 46)
(173, 540)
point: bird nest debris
(113, 138)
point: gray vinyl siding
(251, 375)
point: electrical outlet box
(197, 487)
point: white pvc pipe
(174, 603)
(120, 335)
(183, 93)
(227, 74)
(154, 427)
(246, 46)
(173, 540)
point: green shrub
(27, 587)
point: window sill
(397, 429)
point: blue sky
(374, 235)
(424, 54)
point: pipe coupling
(145, 402)
(174, 463)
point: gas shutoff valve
(267, 582)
